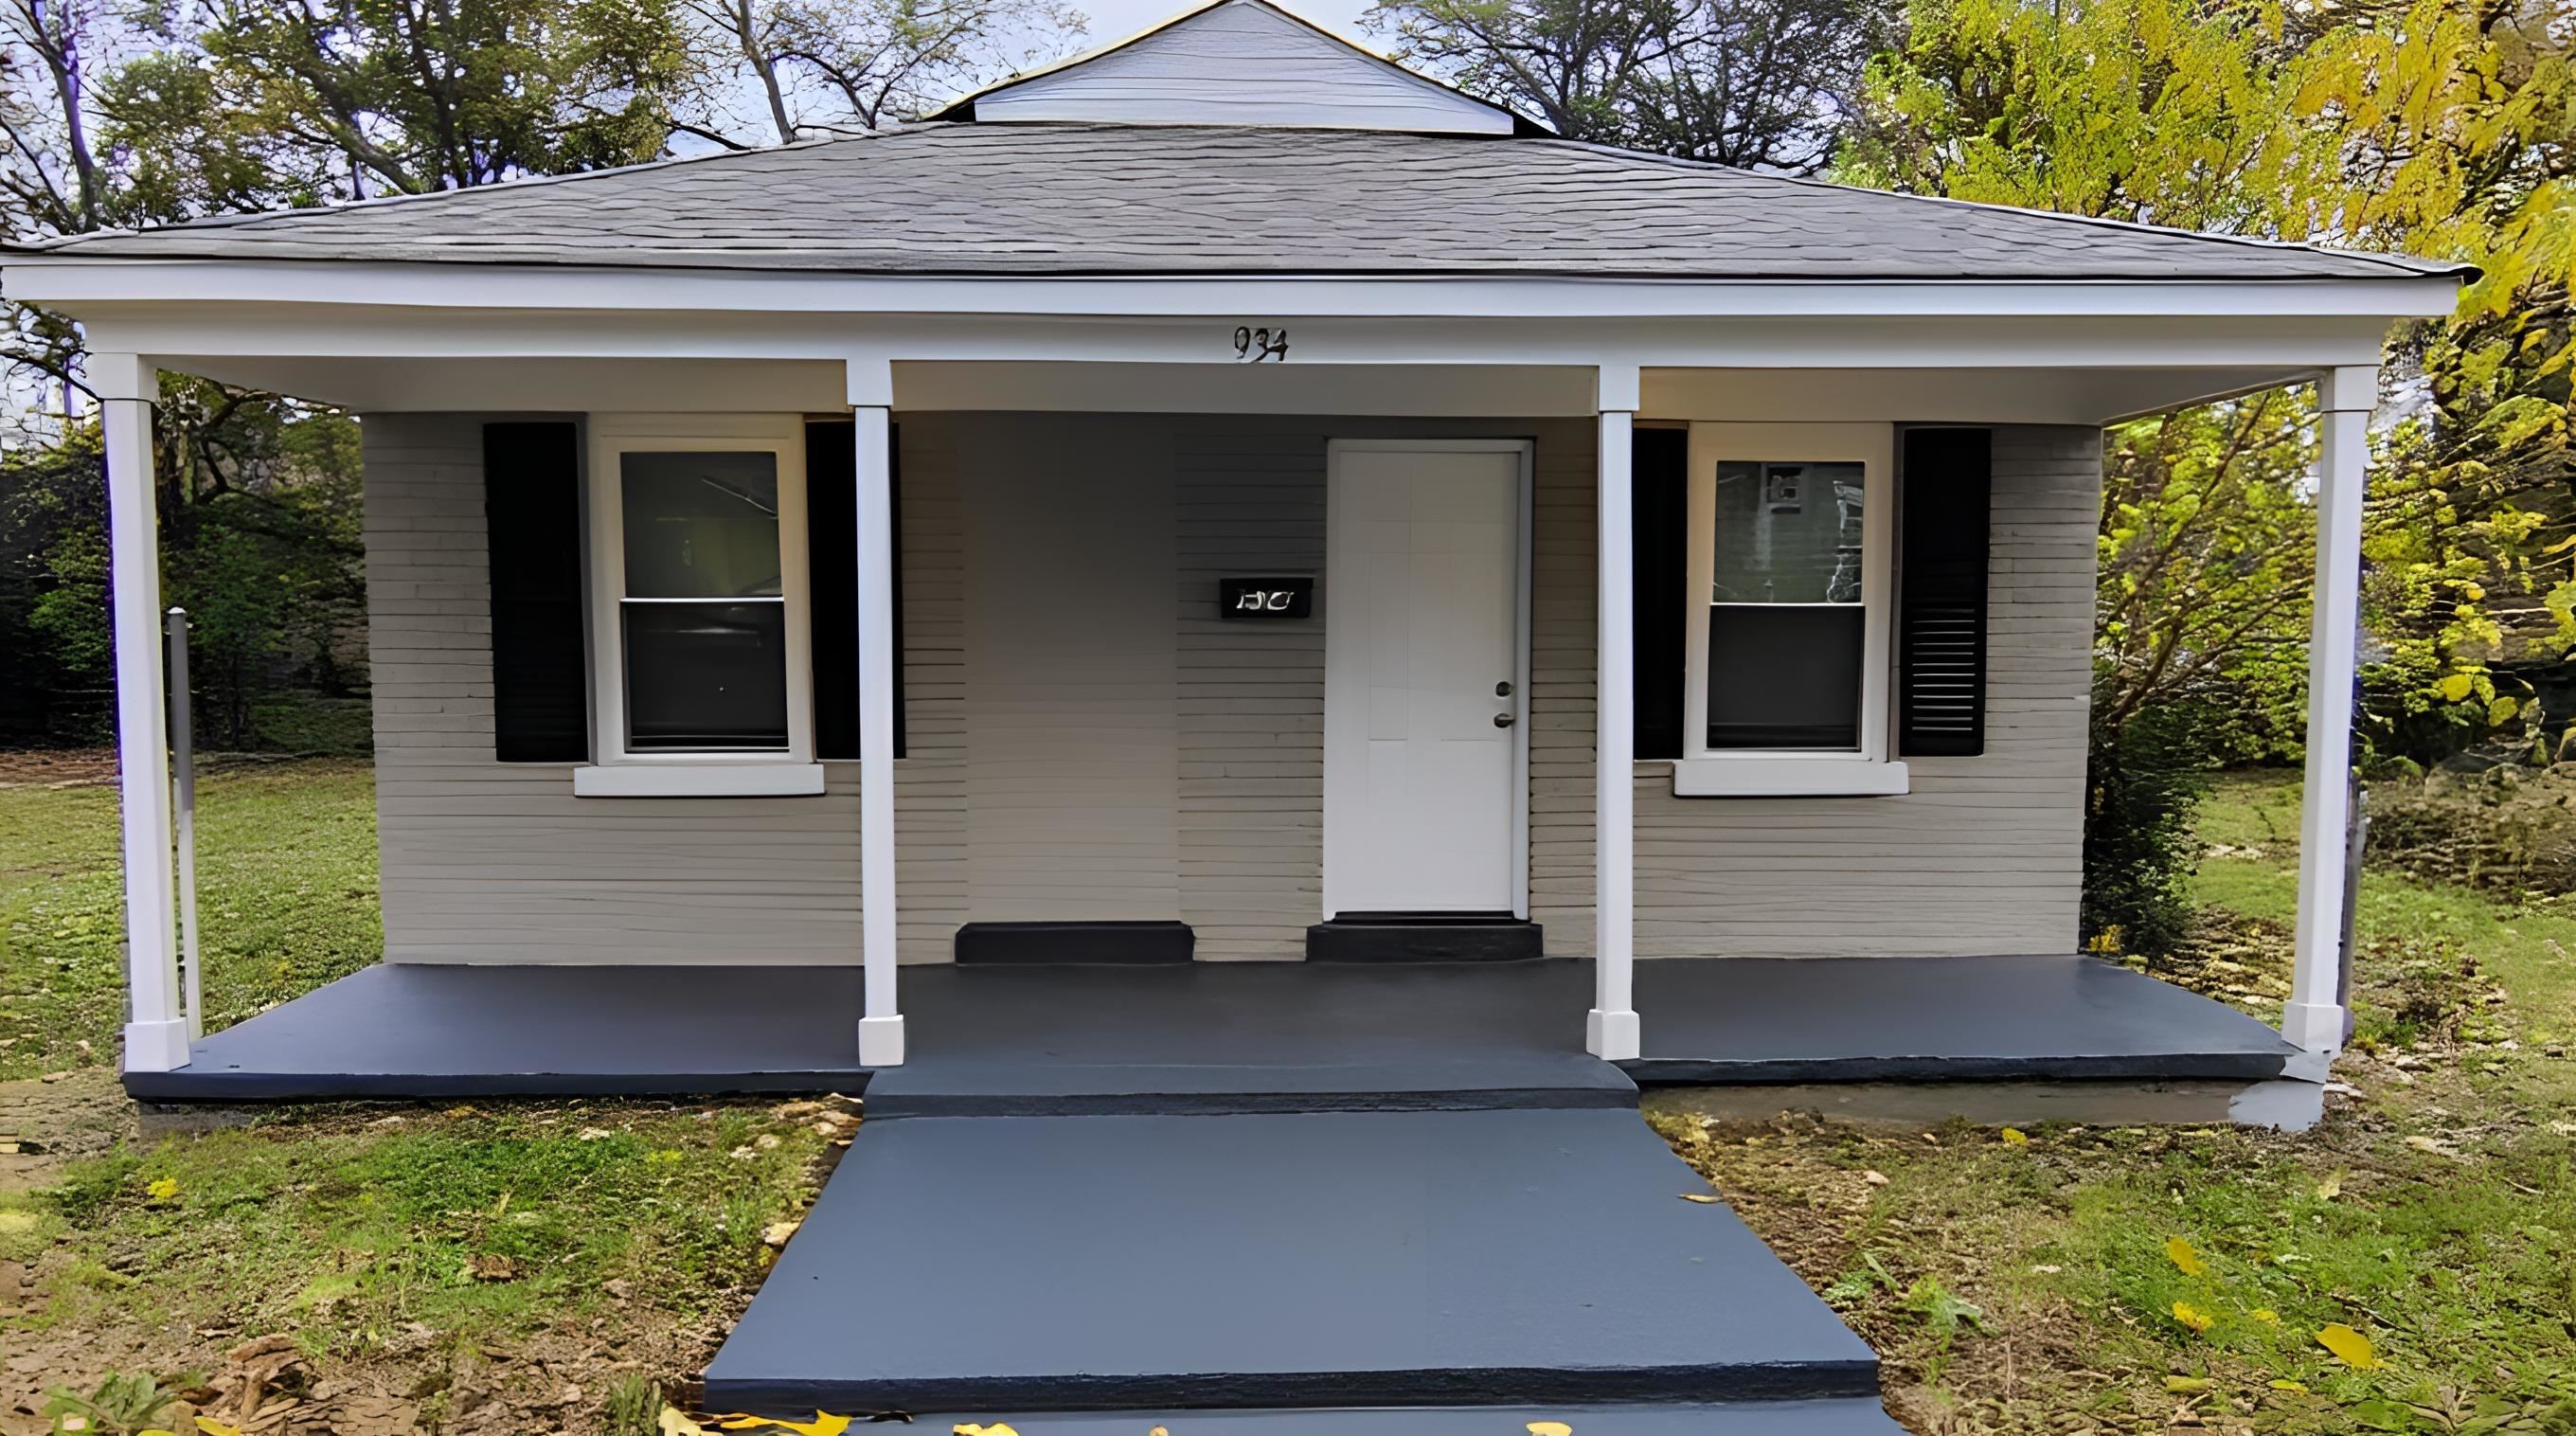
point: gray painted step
(1311, 1260)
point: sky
(1117, 19)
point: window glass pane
(700, 525)
(1785, 620)
(1787, 533)
(1784, 675)
(706, 676)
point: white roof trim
(299, 284)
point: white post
(156, 1037)
(881, 1026)
(2314, 1018)
(1610, 1030)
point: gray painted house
(1224, 499)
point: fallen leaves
(2193, 1317)
(2185, 1260)
(776, 1233)
(822, 1425)
(2015, 1137)
(1549, 1428)
(2349, 1347)
(969, 1428)
(1700, 1197)
(162, 1189)
(484, 1266)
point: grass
(287, 901)
(444, 1259)
(2434, 1212)
(2060, 1280)
(354, 1229)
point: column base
(2313, 1026)
(881, 1041)
(1612, 1036)
(156, 1046)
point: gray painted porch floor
(1214, 1036)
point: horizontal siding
(1984, 855)
(1241, 65)
(1250, 497)
(1133, 755)
(492, 862)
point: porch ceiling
(1998, 394)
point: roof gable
(1238, 62)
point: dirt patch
(96, 767)
(47, 1122)
(57, 767)
(2507, 829)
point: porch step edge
(1624, 1386)
(1837, 1416)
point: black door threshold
(1424, 937)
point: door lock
(1503, 689)
(1502, 720)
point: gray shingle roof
(1073, 199)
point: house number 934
(1254, 345)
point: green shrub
(2144, 781)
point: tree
(1755, 83)
(352, 98)
(832, 66)
(2429, 126)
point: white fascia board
(174, 333)
(70, 280)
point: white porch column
(881, 1026)
(156, 1039)
(1610, 1030)
(2314, 1018)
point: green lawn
(2023, 1282)
(286, 864)
(555, 1258)
(2060, 1280)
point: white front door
(1425, 679)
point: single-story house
(1226, 501)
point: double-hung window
(700, 651)
(1789, 593)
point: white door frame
(1525, 448)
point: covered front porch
(1102, 1038)
(1885, 885)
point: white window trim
(1736, 772)
(615, 771)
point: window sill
(778, 779)
(1782, 777)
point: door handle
(1502, 720)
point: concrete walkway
(1527, 1253)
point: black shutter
(532, 533)
(832, 573)
(1948, 485)
(1660, 476)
